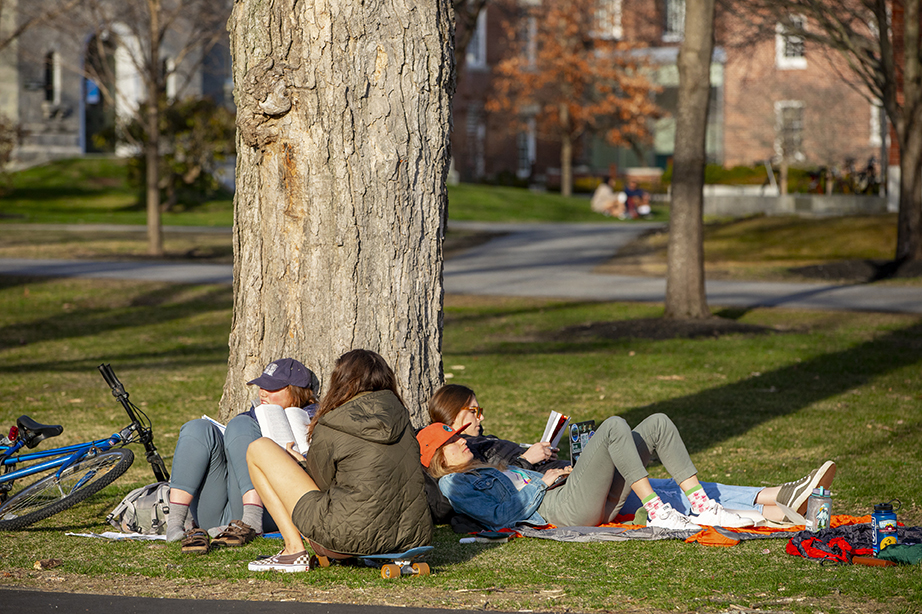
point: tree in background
(685, 292)
(466, 14)
(198, 135)
(21, 16)
(881, 40)
(567, 74)
(343, 118)
(162, 41)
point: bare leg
(280, 483)
(180, 496)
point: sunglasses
(476, 410)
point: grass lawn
(96, 191)
(757, 409)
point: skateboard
(392, 565)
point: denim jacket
(489, 497)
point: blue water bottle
(883, 525)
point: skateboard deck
(392, 564)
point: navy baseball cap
(284, 372)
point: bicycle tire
(47, 496)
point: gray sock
(176, 521)
(253, 516)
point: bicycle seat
(32, 432)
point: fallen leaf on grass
(670, 377)
(47, 563)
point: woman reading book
(359, 489)
(210, 487)
(594, 491)
(458, 407)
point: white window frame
(526, 142)
(784, 39)
(674, 21)
(780, 106)
(874, 136)
(54, 59)
(476, 53)
(608, 20)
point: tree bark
(909, 218)
(152, 144)
(566, 152)
(685, 294)
(342, 155)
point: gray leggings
(615, 458)
(213, 469)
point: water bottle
(883, 525)
(819, 509)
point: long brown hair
(355, 372)
(449, 401)
(439, 467)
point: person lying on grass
(611, 466)
(210, 487)
(457, 406)
(359, 489)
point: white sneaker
(716, 516)
(668, 518)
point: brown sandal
(237, 533)
(195, 541)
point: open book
(555, 427)
(281, 425)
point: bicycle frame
(64, 457)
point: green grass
(96, 191)
(754, 409)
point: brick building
(773, 95)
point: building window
(876, 128)
(674, 28)
(169, 78)
(476, 130)
(528, 35)
(477, 47)
(53, 78)
(789, 130)
(608, 19)
(525, 143)
(789, 44)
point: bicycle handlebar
(145, 434)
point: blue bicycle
(69, 474)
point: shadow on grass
(158, 306)
(706, 417)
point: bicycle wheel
(48, 495)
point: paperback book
(555, 428)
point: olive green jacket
(364, 457)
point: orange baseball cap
(434, 437)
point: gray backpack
(144, 510)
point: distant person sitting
(606, 201)
(638, 200)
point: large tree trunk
(342, 154)
(685, 295)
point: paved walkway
(534, 260)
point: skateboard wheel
(421, 568)
(317, 561)
(390, 571)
